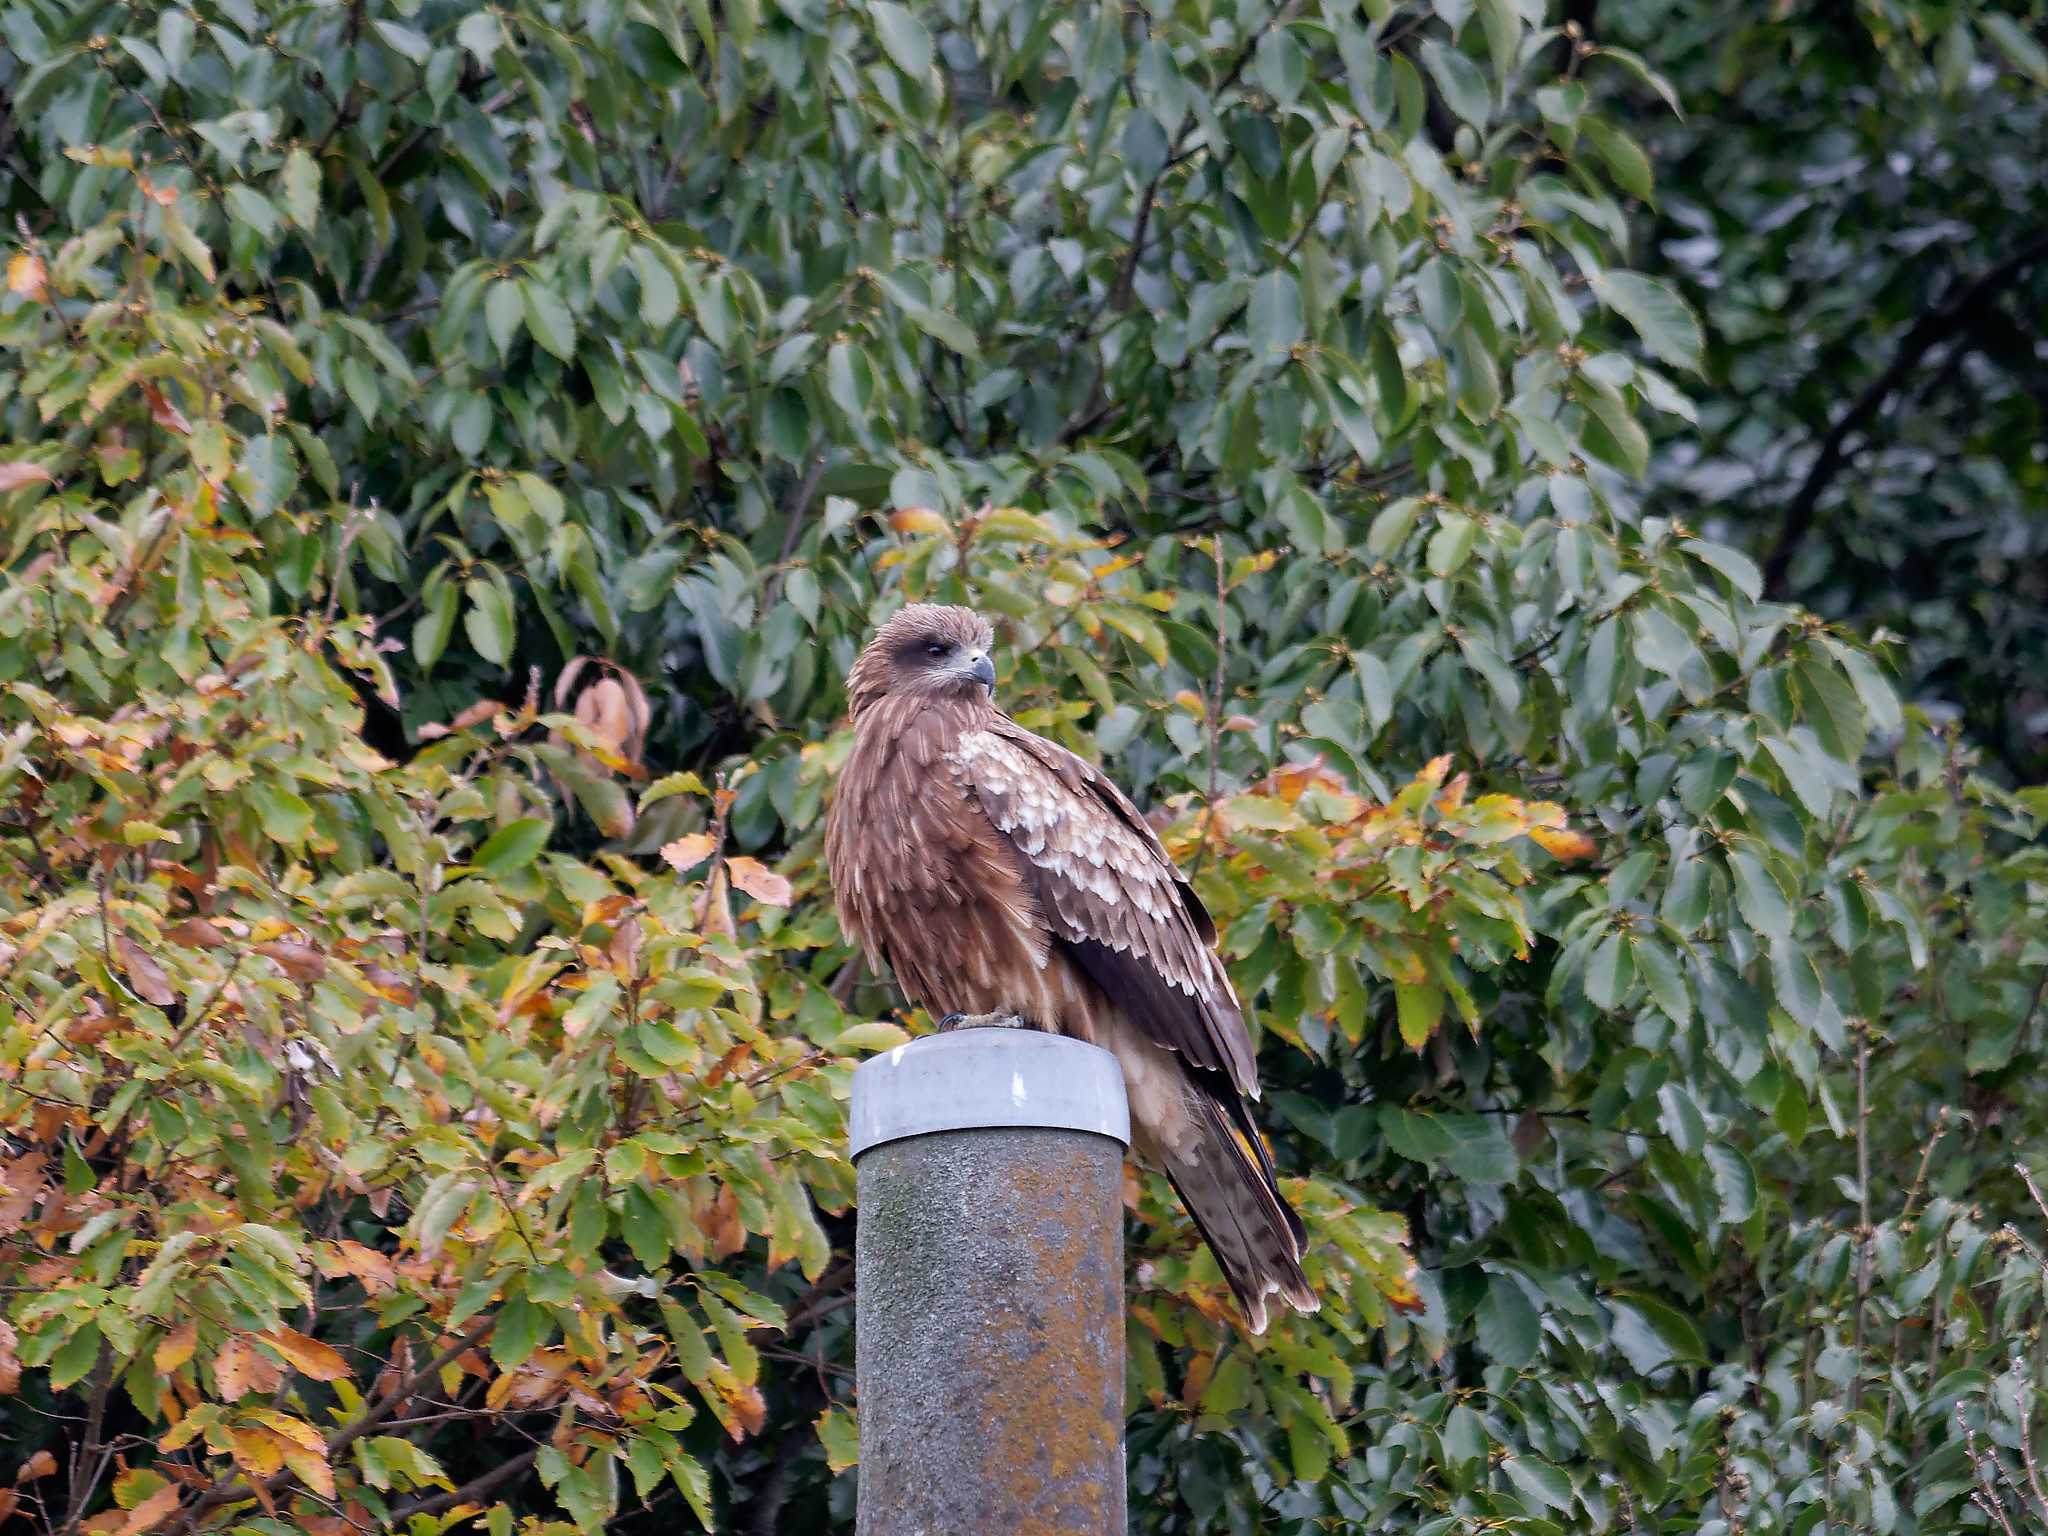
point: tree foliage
(449, 457)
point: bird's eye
(936, 648)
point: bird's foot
(953, 1021)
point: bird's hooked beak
(983, 671)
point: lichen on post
(989, 1332)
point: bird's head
(928, 650)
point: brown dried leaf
(301, 962)
(10, 1362)
(687, 852)
(164, 412)
(477, 713)
(760, 882)
(42, 1464)
(195, 933)
(144, 974)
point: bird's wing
(1109, 894)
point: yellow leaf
(1419, 1008)
(839, 1433)
(309, 1357)
(759, 881)
(292, 1431)
(256, 1451)
(175, 1347)
(688, 852)
(311, 1470)
(1563, 843)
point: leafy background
(1542, 506)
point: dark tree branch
(1929, 331)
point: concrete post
(989, 1316)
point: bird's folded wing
(1109, 894)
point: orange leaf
(240, 1368)
(176, 1347)
(27, 276)
(760, 882)
(42, 1464)
(309, 1357)
(15, 473)
(688, 852)
(348, 1257)
(1563, 843)
(152, 1511)
(919, 520)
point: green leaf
(2019, 48)
(548, 318)
(520, 1328)
(1610, 972)
(1759, 897)
(1539, 1482)
(488, 621)
(285, 816)
(1625, 158)
(1734, 1181)
(1273, 316)
(504, 312)
(904, 39)
(513, 846)
(1509, 1330)
(1461, 81)
(659, 299)
(301, 179)
(1732, 563)
(1665, 322)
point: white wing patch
(1082, 846)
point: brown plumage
(996, 872)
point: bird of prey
(1000, 875)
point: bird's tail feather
(1230, 1192)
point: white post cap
(978, 1078)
